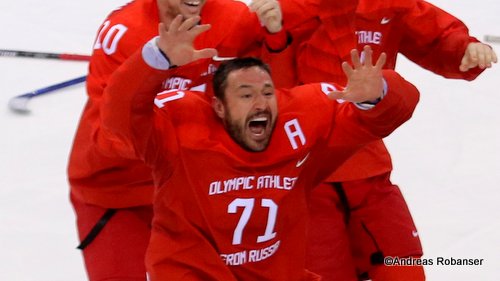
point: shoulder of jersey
(185, 100)
(188, 107)
(308, 95)
(122, 7)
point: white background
(446, 158)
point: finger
(368, 55)
(269, 13)
(472, 55)
(348, 70)
(381, 60)
(488, 58)
(272, 20)
(481, 57)
(204, 53)
(174, 25)
(198, 29)
(265, 8)
(161, 28)
(469, 60)
(355, 58)
(189, 23)
(464, 66)
(336, 95)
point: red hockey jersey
(221, 212)
(114, 181)
(425, 34)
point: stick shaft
(492, 38)
(55, 87)
(19, 104)
(43, 55)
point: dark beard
(236, 132)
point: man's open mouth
(257, 125)
(192, 3)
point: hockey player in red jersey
(360, 192)
(233, 173)
(112, 196)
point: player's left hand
(364, 80)
(477, 55)
(269, 13)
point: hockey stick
(42, 55)
(19, 103)
(492, 38)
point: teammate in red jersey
(314, 43)
(360, 192)
(233, 173)
(117, 191)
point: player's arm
(381, 101)
(270, 16)
(373, 104)
(441, 43)
(127, 109)
(115, 32)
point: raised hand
(269, 13)
(176, 40)
(365, 81)
(477, 55)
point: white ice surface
(447, 158)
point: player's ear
(218, 107)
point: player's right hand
(478, 55)
(176, 40)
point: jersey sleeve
(127, 108)
(134, 120)
(120, 36)
(436, 40)
(238, 30)
(353, 125)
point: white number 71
(247, 204)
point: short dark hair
(220, 76)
